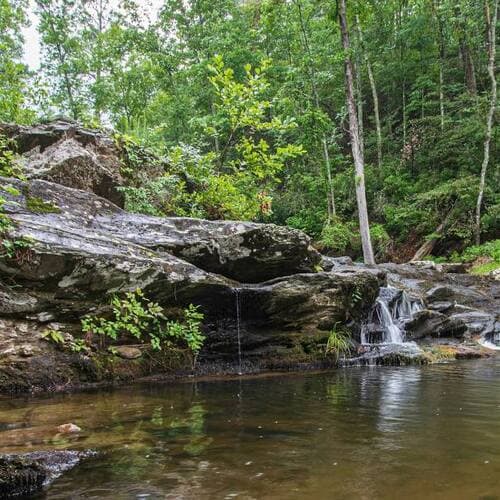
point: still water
(360, 433)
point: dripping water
(238, 326)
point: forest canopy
(245, 104)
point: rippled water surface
(360, 433)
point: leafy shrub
(137, 316)
(156, 197)
(490, 249)
(338, 236)
(486, 257)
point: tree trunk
(364, 227)
(465, 54)
(373, 87)
(428, 246)
(359, 104)
(439, 19)
(491, 21)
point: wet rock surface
(434, 324)
(389, 354)
(457, 304)
(24, 475)
(89, 249)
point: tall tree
(373, 87)
(364, 226)
(465, 51)
(491, 15)
(62, 52)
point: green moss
(439, 353)
(39, 206)
(485, 268)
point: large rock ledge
(83, 249)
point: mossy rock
(38, 206)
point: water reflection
(360, 432)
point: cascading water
(393, 309)
(393, 333)
(238, 326)
(405, 307)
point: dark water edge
(361, 433)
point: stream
(357, 433)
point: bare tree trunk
(441, 95)
(359, 104)
(326, 155)
(465, 53)
(332, 210)
(373, 87)
(404, 115)
(364, 226)
(491, 21)
(429, 245)
(439, 19)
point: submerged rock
(26, 474)
(68, 429)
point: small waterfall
(238, 326)
(393, 309)
(393, 333)
(405, 307)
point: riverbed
(429, 432)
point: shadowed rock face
(84, 249)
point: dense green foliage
(244, 103)
(136, 316)
(485, 258)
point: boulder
(68, 429)
(477, 322)
(329, 263)
(433, 324)
(67, 153)
(243, 251)
(495, 274)
(453, 267)
(83, 249)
